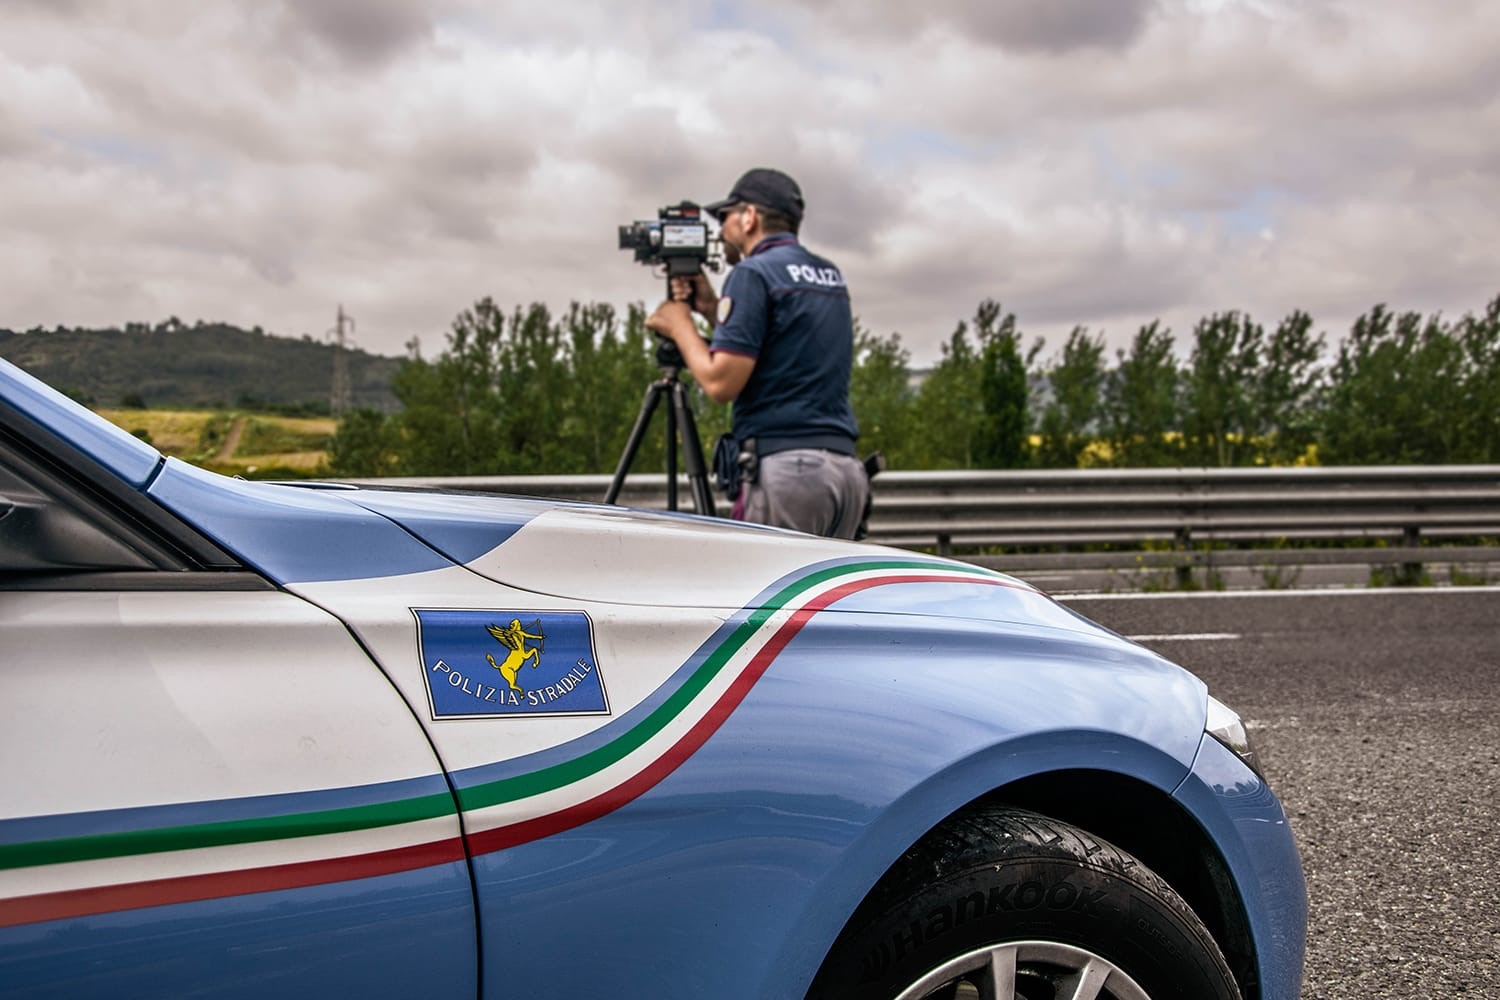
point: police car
(313, 740)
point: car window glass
(43, 529)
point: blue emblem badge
(488, 664)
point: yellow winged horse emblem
(513, 637)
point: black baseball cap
(765, 187)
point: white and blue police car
(311, 740)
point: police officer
(782, 350)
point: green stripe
(243, 831)
(366, 817)
(568, 772)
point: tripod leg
(692, 449)
(672, 429)
(637, 434)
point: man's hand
(697, 293)
(673, 320)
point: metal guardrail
(1179, 517)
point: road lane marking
(1194, 595)
(1186, 637)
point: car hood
(308, 533)
(620, 555)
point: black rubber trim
(146, 580)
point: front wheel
(1004, 904)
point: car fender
(882, 782)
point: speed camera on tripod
(677, 244)
(678, 239)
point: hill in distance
(206, 365)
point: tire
(1005, 904)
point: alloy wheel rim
(1026, 970)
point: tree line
(527, 392)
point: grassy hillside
(234, 442)
(205, 366)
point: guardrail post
(1184, 542)
(945, 544)
(1411, 572)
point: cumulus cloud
(1098, 162)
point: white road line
(1186, 637)
(1195, 595)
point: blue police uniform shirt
(789, 310)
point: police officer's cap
(765, 187)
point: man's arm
(721, 374)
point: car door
(207, 788)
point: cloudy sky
(1095, 162)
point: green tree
(429, 431)
(612, 366)
(365, 445)
(532, 390)
(1141, 402)
(1288, 391)
(950, 407)
(1070, 418)
(450, 415)
(1218, 410)
(882, 397)
(1002, 440)
(1397, 393)
(1479, 406)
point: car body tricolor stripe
(500, 813)
(228, 833)
(213, 885)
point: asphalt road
(1377, 714)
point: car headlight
(1225, 726)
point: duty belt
(839, 443)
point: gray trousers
(807, 489)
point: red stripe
(192, 888)
(632, 788)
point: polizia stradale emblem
(497, 664)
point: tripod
(680, 424)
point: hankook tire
(1005, 904)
